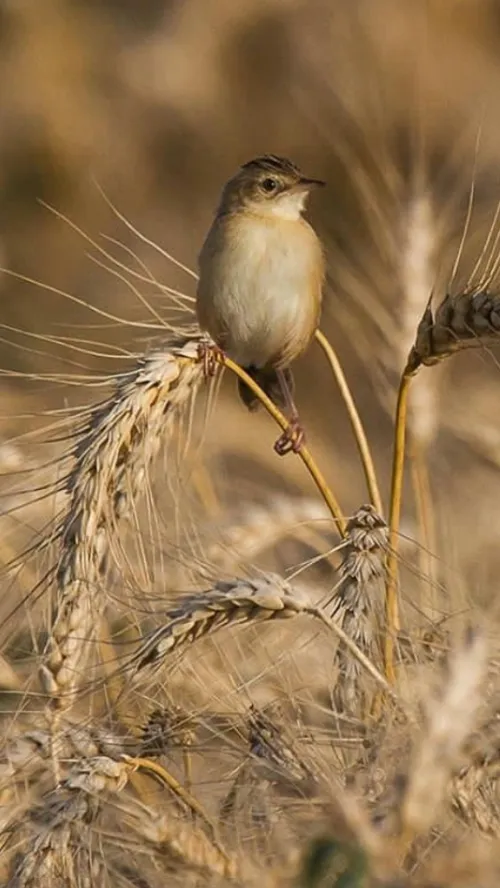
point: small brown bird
(261, 273)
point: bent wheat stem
(304, 453)
(178, 789)
(357, 425)
(391, 595)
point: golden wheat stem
(391, 589)
(304, 452)
(357, 425)
(178, 789)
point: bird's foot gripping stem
(210, 355)
(292, 439)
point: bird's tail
(269, 382)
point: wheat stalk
(112, 457)
(357, 426)
(470, 318)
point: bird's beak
(304, 182)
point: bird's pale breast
(259, 293)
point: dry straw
(112, 459)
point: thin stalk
(304, 453)
(391, 589)
(357, 425)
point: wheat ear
(111, 460)
(57, 832)
(232, 603)
(362, 570)
(466, 320)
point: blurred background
(150, 105)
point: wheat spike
(112, 458)
(417, 273)
(461, 321)
(263, 600)
(358, 598)
(58, 830)
(28, 756)
(226, 603)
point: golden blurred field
(135, 497)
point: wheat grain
(112, 457)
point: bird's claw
(210, 355)
(292, 439)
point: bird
(260, 284)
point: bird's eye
(269, 185)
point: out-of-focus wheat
(257, 527)
(450, 719)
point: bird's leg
(209, 354)
(293, 437)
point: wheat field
(217, 666)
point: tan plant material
(227, 603)
(177, 838)
(451, 717)
(27, 756)
(358, 601)
(269, 743)
(165, 729)
(111, 461)
(257, 527)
